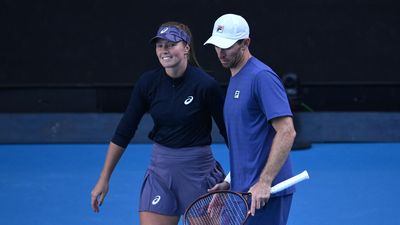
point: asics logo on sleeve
(156, 200)
(188, 100)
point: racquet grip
(228, 178)
(290, 182)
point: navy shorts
(176, 177)
(276, 212)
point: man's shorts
(276, 212)
(176, 177)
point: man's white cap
(228, 29)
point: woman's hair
(192, 54)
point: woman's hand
(99, 192)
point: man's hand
(260, 193)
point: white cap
(228, 29)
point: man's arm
(281, 146)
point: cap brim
(154, 39)
(220, 42)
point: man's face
(230, 57)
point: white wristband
(228, 178)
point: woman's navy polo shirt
(181, 109)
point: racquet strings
(218, 208)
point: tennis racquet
(228, 207)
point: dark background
(85, 56)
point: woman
(182, 100)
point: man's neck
(245, 57)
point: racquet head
(220, 207)
(227, 207)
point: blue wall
(314, 127)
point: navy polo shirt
(182, 109)
(254, 97)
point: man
(259, 124)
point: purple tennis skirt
(176, 177)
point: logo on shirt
(156, 200)
(237, 93)
(188, 100)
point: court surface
(351, 184)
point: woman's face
(170, 54)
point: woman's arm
(99, 192)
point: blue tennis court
(48, 184)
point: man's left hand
(260, 193)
